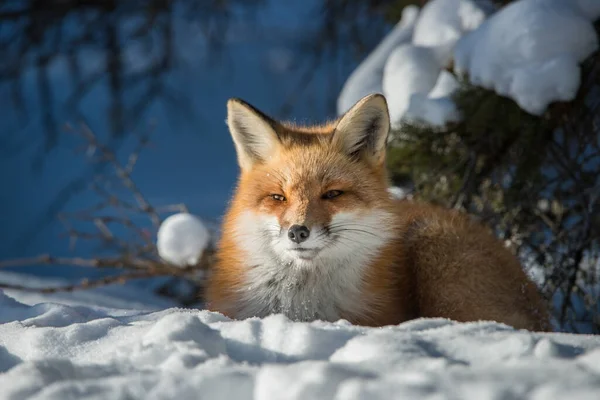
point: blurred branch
(123, 173)
(79, 262)
(535, 180)
(84, 284)
(143, 269)
(129, 46)
(336, 39)
(124, 229)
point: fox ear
(363, 130)
(252, 131)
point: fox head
(310, 195)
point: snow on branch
(529, 51)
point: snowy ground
(98, 347)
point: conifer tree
(535, 180)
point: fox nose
(298, 233)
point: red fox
(312, 232)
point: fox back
(312, 232)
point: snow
(408, 70)
(435, 108)
(58, 351)
(399, 193)
(415, 83)
(107, 299)
(530, 51)
(443, 22)
(410, 73)
(435, 112)
(366, 78)
(417, 88)
(181, 239)
(444, 86)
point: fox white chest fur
(319, 278)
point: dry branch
(114, 224)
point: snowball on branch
(182, 239)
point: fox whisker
(362, 231)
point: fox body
(312, 232)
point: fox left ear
(254, 133)
(363, 130)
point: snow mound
(181, 239)
(530, 51)
(74, 352)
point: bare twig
(114, 223)
(46, 259)
(122, 172)
(84, 284)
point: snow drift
(54, 351)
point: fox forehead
(308, 168)
(305, 154)
(309, 132)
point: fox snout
(298, 233)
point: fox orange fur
(312, 232)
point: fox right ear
(253, 132)
(363, 130)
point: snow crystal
(366, 78)
(79, 352)
(181, 239)
(530, 50)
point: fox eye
(278, 197)
(331, 194)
